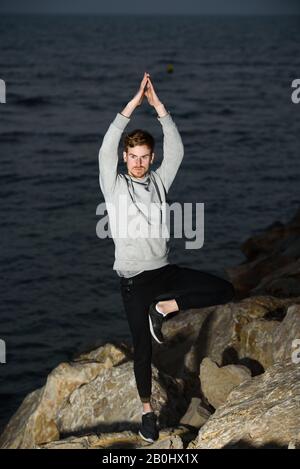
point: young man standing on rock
(151, 287)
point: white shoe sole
(152, 331)
(146, 439)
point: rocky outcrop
(35, 420)
(272, 265)
(97, 393)
(110, 402)
(240, 333)
(169, 439)
(94, 392)
(262, 412)
(286, 335)
(227, 375)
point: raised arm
(108, 153)
(173, 149)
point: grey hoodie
(129, 198)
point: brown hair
(138, 137)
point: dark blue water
(67, 77)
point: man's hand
(146, 88)
(152, 97)
(137, 99)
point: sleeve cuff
(121, 121)
(166, 118)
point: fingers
(146, 86)
(145, 77)
(149, 82)
(144, 82)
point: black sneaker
(156, 320)
(149, 430)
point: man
(151, 288)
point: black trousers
(189, 287)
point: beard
(139, 171)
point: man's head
(138, 152)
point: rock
(224, 333)
(92, 441)
(264, 243)
(181, 331)
(245, 277)
(261, 412)
(220, 337)
(35, 420)
(192, 335)
(217, 383)
(256, 321)
(284, 282)
(168, 439)
(267, 341)
(287, 332)
(256, 342)
(270, 255)
(196, 415)
(110, 354)
(97, 391)
(111, 403)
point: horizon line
(26, 13)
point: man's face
(138, 160)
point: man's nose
(139, 162)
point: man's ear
(124, 156)
(152, 158)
